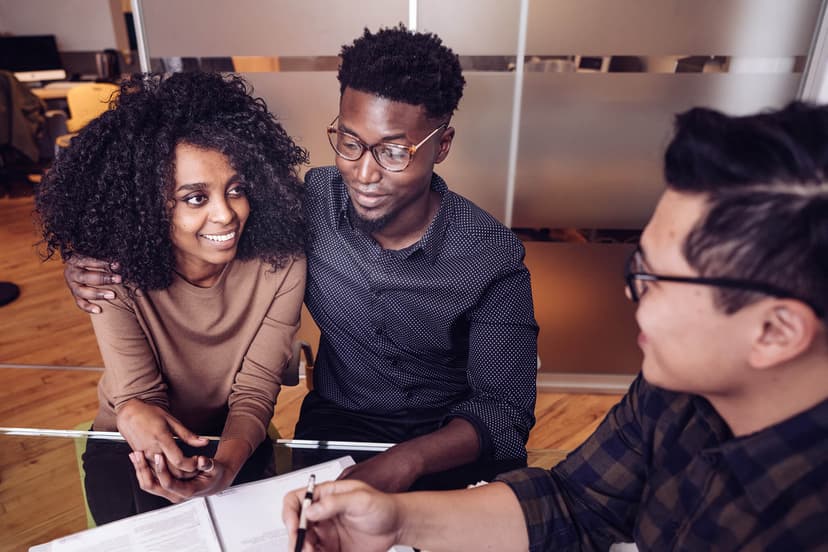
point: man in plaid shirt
(722, 441)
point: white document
(184, 527)
(245, 518)
(248, 518)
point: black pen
(303, 516)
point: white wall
(78, 25)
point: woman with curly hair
(189, 186)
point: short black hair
(108, 195)
(764, 176)
(404, 66)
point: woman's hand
(213, 474)
(211, 477)
(151, 429)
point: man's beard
(367, 226)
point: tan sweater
(213, 357)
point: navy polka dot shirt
(444, 326)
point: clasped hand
(160, 465)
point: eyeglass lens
(637, 285)
(393, 157)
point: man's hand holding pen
(344, 515)
(303, 514)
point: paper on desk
(248, 517)
(244, 518)
(185, 527)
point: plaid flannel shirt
(664, 470)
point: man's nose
(368, 170)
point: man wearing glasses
(722, 442)
(428, 336)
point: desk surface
(41, 496)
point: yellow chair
(88, 101)
(80, 448)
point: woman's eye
(196, 200)
(236, 191)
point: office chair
(27, 131)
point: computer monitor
(31, 58)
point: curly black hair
(109, 194)
(414, 68)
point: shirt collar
(431, 243)
(771, 461)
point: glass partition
(214, 28)
(591, 145)
(560, 133)
(473, 27)
(753, 28)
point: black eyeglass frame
(630, 278)
(332, 130)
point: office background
(567, 109)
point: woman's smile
(224, 239)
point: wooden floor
(44, 328)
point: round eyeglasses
(391, 157)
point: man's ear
(445, 145)
(788, 329)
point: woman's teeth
(220, 237)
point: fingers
(312, 543)
(175, 457)
(173, 452)
(84, 262)
(84, 294)
(88, 271)
(150, 481)
(207, 480)
(291, 506)
(82, 274)
(185, 434)
(333, 498)
(86, 306)
(205, 464)
(165, 478)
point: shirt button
(378, 331)
(711, 458)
